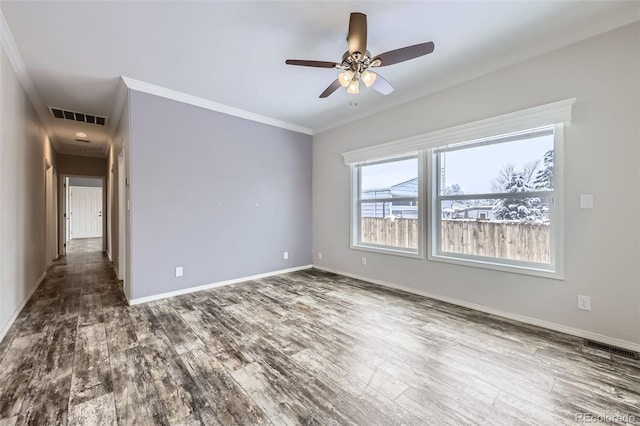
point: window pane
(389, 224)
(390, 180)
(511, 228)
(515, 166)
(388, 205)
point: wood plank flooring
(303, 348)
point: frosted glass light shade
(354, 87)
(345, 78)
(368, 78)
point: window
(386, 214)
(494, 192)
(494, 202)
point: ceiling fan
(357, 60)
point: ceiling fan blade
(381, 85)
(404, 54)
(357, 37)
(317, 64)
(332, 88)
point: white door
(86, 212)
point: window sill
(387, 250)
(503, 267)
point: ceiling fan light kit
(345, 78)
(368, 78)
(357, 60)
(354, 87)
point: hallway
(55, 355)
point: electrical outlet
(319, 255)
(179, 271)
(364, 261)
(584, 302)
(286, 255)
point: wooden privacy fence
(390, 232)
(506, 240)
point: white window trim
(555, 113)
(555, 270)
(354, 212)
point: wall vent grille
(77, 116)
(612, 349)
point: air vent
(77, 116)
(83, 140)
(612, 349)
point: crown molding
(11, 49)
(175, 95)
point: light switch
(586, 201)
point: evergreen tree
(544, 177)
(544, 181)
(513, 181)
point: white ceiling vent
(77, 116)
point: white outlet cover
(319, 255)
(584, 302)
(179, 271)
(586, 201)
(286, 255)
(364, 260)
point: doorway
(84, 222)
(51, 201)
(120, 271)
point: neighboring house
(455, 210)
(397, 209)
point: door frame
(51, 211)
(64, 210)
(121, 190)
(108, 211)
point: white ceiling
(233, 53)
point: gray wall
(221, 196)
(88, 182)
(24, 146)
(601, 157)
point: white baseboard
(497, 312)
(146, 299)
(6, 328)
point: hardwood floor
(302, 348)
(84, 245)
